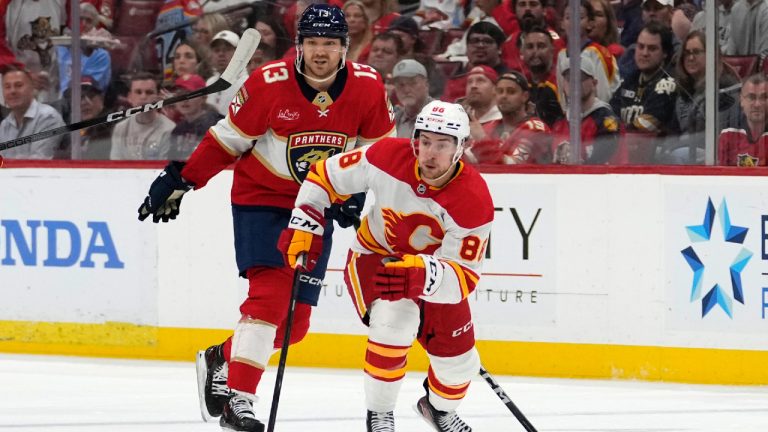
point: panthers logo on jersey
(306, 148)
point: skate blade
(201, 377)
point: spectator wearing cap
(408, 31)
(538, 55)
(480, 101)
(95, 141)
(412, 90)
(518, 137)
(143, 136)
(491, 11)
(223, 47)
(749, 28)
(530, 14)
(600, 129)
(607, 72)
(27, 116)
(483, 48)
(195, 119)
(360, 31)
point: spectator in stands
(27, 116)
(408, 31)
(95, 61)
(604, 28)
(386, 51)
(530, 14)
(273, 34)
(95, 141)
(222, 49)
(381, 13)
(196, 119)
(746, 142)
(538, 55)
(483, 48)
(517, 138)
(607, 73)
(749, 24)
(30, 26)
(599, 124)
(689, 103)
(263, 54)
(492, 11)
(659, 11)
(188, 59)
(360, 32)
(207, 26)
(646, 98)
(436, 14)
(412, 90)
(179, 15)
(480, 101)
(105, 12)
(724, 8)
(145, 135)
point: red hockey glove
(414, 276)
(304, 236)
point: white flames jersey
(408, 216)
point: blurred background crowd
(641, 98)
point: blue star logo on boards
(701, 235)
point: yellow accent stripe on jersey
(367, 240)
(269, 166)
(446, 395)
(384, 373)
(387, 351)
(320, 177)
(228, 149)
(239, 131)
(461, 276)
(355, 281)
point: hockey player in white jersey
(416, 257)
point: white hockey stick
(243, 53)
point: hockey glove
(164, 197)
(347, 213)
(304, 236)
(413, 276)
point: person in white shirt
(223, 47)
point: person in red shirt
(483, 42)
(530, 13)
(746, 143)
(287, 116)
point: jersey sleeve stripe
(461, 276)
(269, 166)
(318, 174)
(239, 131)
(226, 148)
(354, 280)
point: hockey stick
(286, 342)
(243, 53)
(496, 387)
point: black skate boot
(212, 381)
(442, 421)
(238, 415)
(380, 421)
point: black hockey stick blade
(496, 387)
(243, 53)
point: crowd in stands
(642, 74)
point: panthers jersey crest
(304, 149)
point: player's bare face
(321, 56)
(435, 157)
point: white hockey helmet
(443, 118)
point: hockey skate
(380, 421)
(238, 415)
(442, 421)
(212, 387)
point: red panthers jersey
(527, 143)
(735, 147)
(278, 126)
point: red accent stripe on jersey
(446, 391)
(386, 362)
(467, 278)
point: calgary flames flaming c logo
(412, 233)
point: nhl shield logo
(306, 148)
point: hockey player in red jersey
(287, 116)
(416, 258)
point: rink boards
(641, 275)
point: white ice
(68, 394)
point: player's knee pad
(449, 378)
(269, 292)
(300, 326)
(252, 342)
(394, 322)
